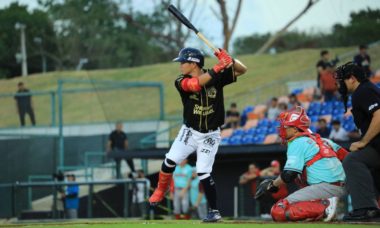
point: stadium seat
(250, 131)
(272, 130)
(260, 110)
(272, 138)
(263, 123)
(314, 118)
(297, 91)
(238, 132)
(349, 127)
(234, 140)
(226, 132)
(225, 141)
(247, 139)
(251, 123)
(259, 138)
(313, 128)
(261, 130)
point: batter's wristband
(212, 73)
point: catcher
(318, 159)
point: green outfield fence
(63, 104)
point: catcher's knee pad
(278, 211)
(311, 210)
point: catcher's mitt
(264, 187)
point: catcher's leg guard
(158, 195)
(307, 210)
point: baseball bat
(172, 9)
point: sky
(257, 16)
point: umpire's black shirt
(117, 139)
(204, 110)
(365, 101)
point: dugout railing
(18, 190)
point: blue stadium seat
(250, 131)
(349, 127)
(259, 138)
(261, 130)
(263, 122)
(248, 139)
(225, 141)
(338, 116)
(248, 109)
(272, 130)
(234, 140)
(314, 118)
(238, 132)
(326, 111)
(297, 91)
(275, 123)
(315, 105)
(313, 128)
(338, 111)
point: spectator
(232, 117)
(363, 60)
(324, 64)
(197, 198)
(282, 107)
(322, 129)
(325, 79)
(71, 198)
(273, 110)
(337, 132)
(272, 170)
(24, 104)
(293, 101)
(139, 194)
(182, 180)
(118, 142)
(250, 178)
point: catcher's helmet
(190, 55)
(296, 118)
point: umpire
(362, 165)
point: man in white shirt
(337, 132)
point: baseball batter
(201, 92)
(319, 160)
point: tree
(168, 32)
(364, 28)
(228, 26)
(96, 30)
(37, 25)
(281, 32)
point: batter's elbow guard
(191, 85)
(288, 175)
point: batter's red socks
(164, 180)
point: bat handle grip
(207, 42)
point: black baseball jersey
(204, 111)
(365, 101)
(117, 139)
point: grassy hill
(83, 108)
